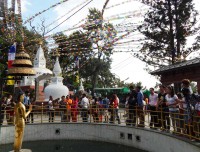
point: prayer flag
(11, 58)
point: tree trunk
(171, 31)
(177, 31)
(94, 82)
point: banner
(11, 58)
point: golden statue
(20, 117)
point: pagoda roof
(177, 66)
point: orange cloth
(69, 103)
(147, 100)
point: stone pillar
(36, 90)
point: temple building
(56, 89)
(175, 73)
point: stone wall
(139, 138)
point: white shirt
(8, 101)
(153, 99)
(85, 103)
(171, 100)
(50, 105)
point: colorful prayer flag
(11, 55)
(11, 58)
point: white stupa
(81, 87)
(56, 89)
(40, 68)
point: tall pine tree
(166, 26)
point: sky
(124, 65)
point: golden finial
(57, 53)
(21, 47)
(40, 42)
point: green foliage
(166, 26)
(30, 43)
(70, 47)
(101, 34)
(104, 78)
(94, 62)
(134, 85)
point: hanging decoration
(67, 13)
(20, 19)
(39, 13)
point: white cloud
(25, 4)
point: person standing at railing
(2, 109)
(84, 108)
(181, 114)
(10, 110)
(132, 102)
(101, 109)
(62, 106)
(172, 102)
(31, 115)
(197, 119)
(163, 114)
(68, 107)
(112, 106)
(188, 117)
(139, 108)
(153, 98)
(26, 103)
(74, 109)
(106, 103)
(116, 106)
(51, 109)
(95, 110)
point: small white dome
(56, 91)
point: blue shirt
(26, 100)
(106, 102)
(140, 99)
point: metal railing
(179, 122)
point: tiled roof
(179, 65)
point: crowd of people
(168, 111)
(70, 107)
(179, 112)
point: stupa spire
(57, 69)
(39, 60)
(81, 87)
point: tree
(104, 79)
(72, 47)
(30, 43)
(166, 26)
(101, 36)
